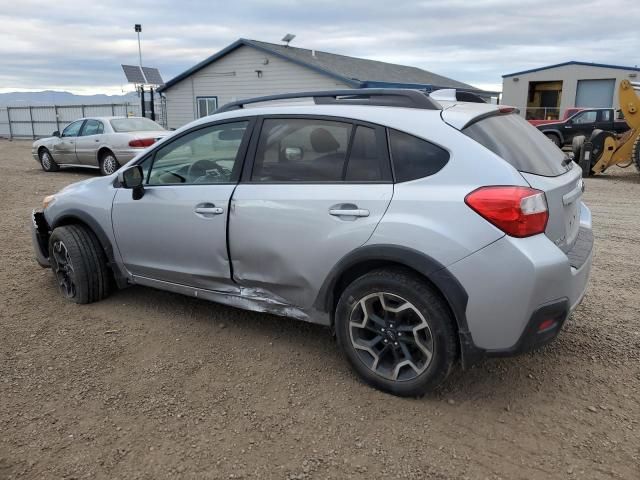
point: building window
(206, 106)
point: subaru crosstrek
(423, 230)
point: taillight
(142, 142)
(517, 211)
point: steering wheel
(202, 168)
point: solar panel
(152, 75)
(134, 74)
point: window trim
(380, 137)
(241, 156)
(205, 97)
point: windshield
(134, 125)
(519, 143)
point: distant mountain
(52, 97)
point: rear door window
(301, 150)
(413, 157)
(519, 143)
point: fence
(41, 121)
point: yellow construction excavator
(603, 149)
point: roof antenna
(287, 38)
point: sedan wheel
(109, 164)
(47, 162)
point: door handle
(96, 140)
(352, 212)
(209, 210)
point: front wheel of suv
(79, 264)
(396, 331)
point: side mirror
(56, 133)
(132, 178)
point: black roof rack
(388, 97)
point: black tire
(585, 164)
(576, 145)
(108, 163)
(554, 138)
(397, 286)
(79, 264)
(46, 161)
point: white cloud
(79, 46)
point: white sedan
(97, 142)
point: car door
(88, 142)
(316, 190)
(580, 124)
(605, 120)
(177, 232)
(64, 150)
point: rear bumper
(125, 154)
(514, 285)
(40, 238)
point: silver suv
(421, 229)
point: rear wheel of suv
(46, 161)
(79, 264)
(396, 332)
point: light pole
(138, 28)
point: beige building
(546, 92)
(250, 68)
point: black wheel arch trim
(554, 132)
(70, 216)
(448, 285)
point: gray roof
(354, 71)
(362, 69)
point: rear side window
(519, 143)
(413, 157)
(301, 150)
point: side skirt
(253, 299)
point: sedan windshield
(134, 125)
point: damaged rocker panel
(254, 299)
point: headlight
(48, 200)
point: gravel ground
(148, 384)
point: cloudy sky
(79, 46)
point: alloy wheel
(45, 158)
(391, 336)
(63, 269)
(109, 164)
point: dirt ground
(148, 384)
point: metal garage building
(249, 68)
(546, 92)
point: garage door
(595, 93)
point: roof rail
(388, 97)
